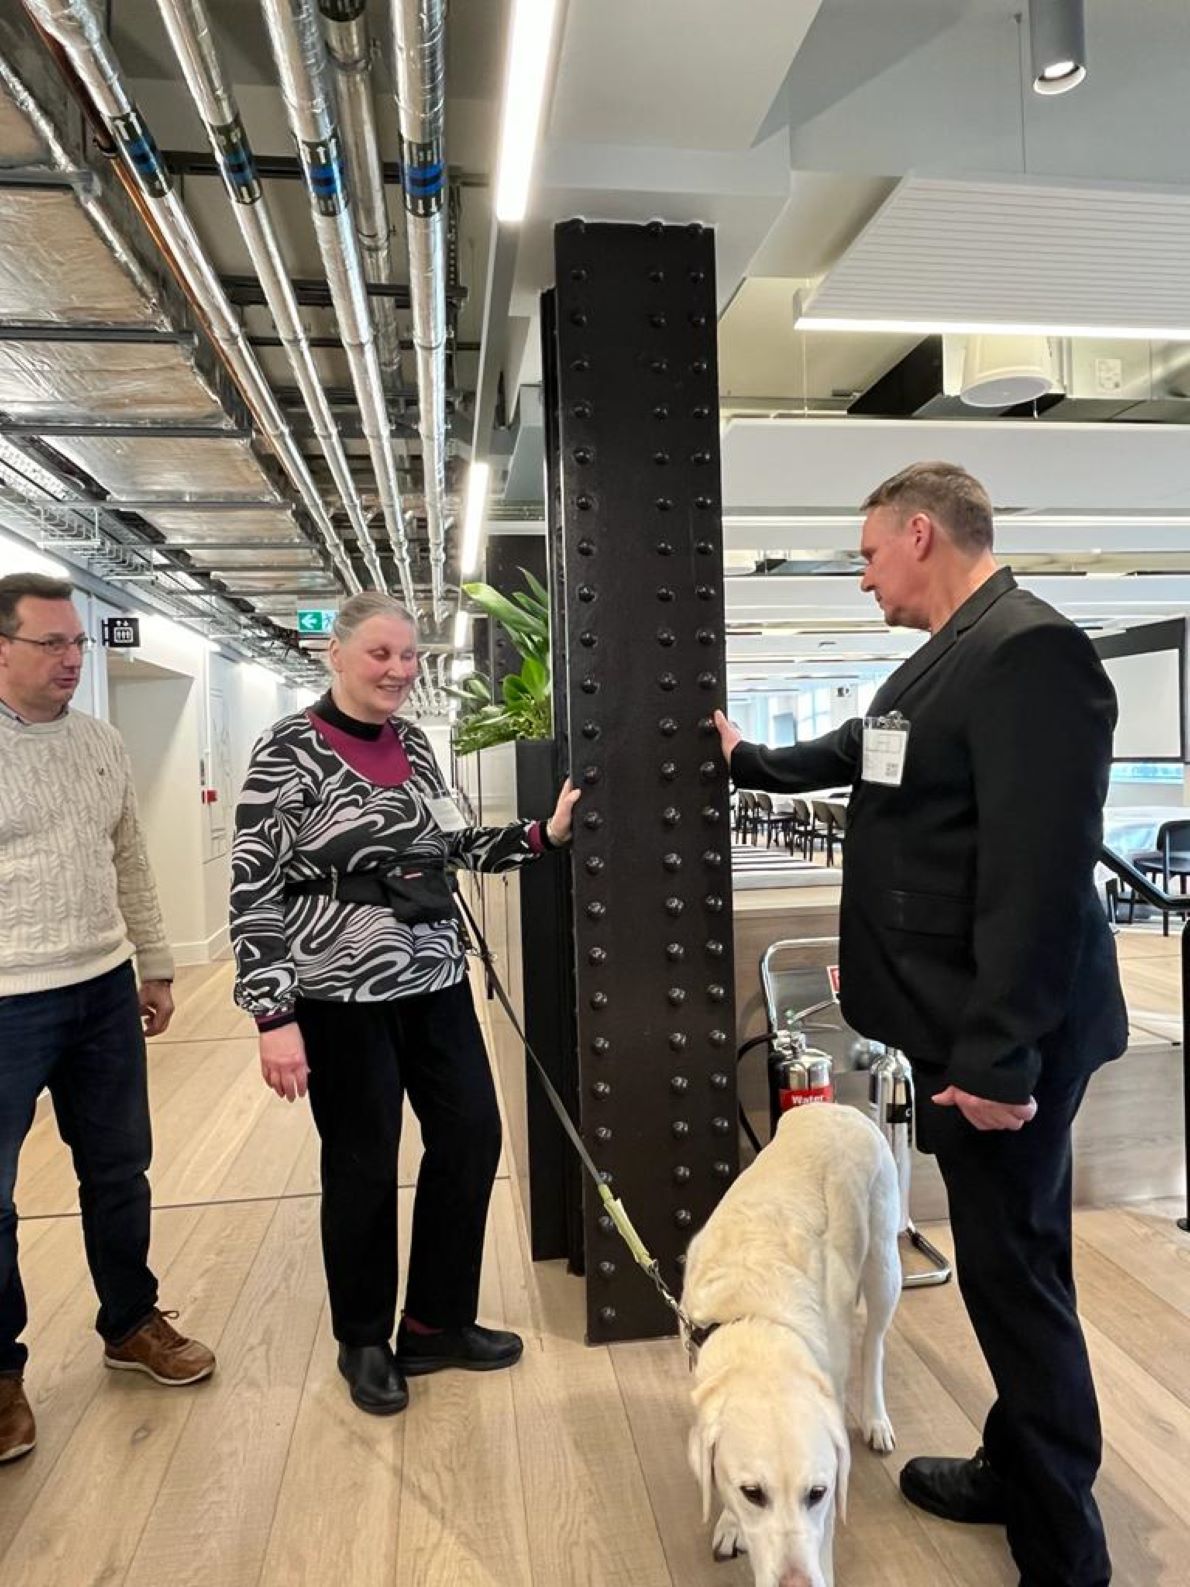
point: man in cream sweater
(77, 899)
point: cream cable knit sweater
(75, 883)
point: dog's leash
(692, 1336)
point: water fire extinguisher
(798, 1073)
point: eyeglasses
(57, 644)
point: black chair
(1170, 858)
(827, 825)
(800, 825)
(769, 822)
(748, 824)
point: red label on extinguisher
(797, 1099)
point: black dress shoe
(472, 1348)
(377, 1385)
(956, 1490)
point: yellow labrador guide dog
(776, 1273)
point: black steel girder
(635, 492)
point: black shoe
(377, 1385)
(470, 1347)
(956, 1490)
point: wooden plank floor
(569, 1471)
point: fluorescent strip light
(524, 95)
(477, 500)
(462, 625)
(908, 327)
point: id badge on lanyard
(446, 812)
(886, 738)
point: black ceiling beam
(38, 179)
(350, 429)
(287, 168)
(335, 342)
(342, 396)
(30, 331)
(314, 291)
(166, 431)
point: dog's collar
(695, 1335)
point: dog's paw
(726, 1542)
(879, 1435)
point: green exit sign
(314, 620)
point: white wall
(214, 710)
(159, 720)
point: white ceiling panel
(811, 463)
(1017, 252)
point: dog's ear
(701, 1451)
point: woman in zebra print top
(349, 958)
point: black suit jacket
(971, 934)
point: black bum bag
(418, 895)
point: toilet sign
(121, 633)
(315, 620)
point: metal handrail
(1175, 904)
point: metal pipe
(419, 39)
(193, 41)
(346, 29)
(76, 29)
(300, 55)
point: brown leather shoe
(162, 1352)
(18, 1433)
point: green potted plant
(523, 716)
(523, 710)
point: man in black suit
(973, 940)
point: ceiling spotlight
(1057, 44)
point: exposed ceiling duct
(75, 28)
(189, 30)
(300, 54)
(351, 56)
(420, 56)
(1089, 381)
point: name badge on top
(886, 738)
(446, 812)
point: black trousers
(86, 1044)
(364, 1058)
(1010, 1212)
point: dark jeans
(364, 1058)
(85, 1043)
(1010, 1211)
